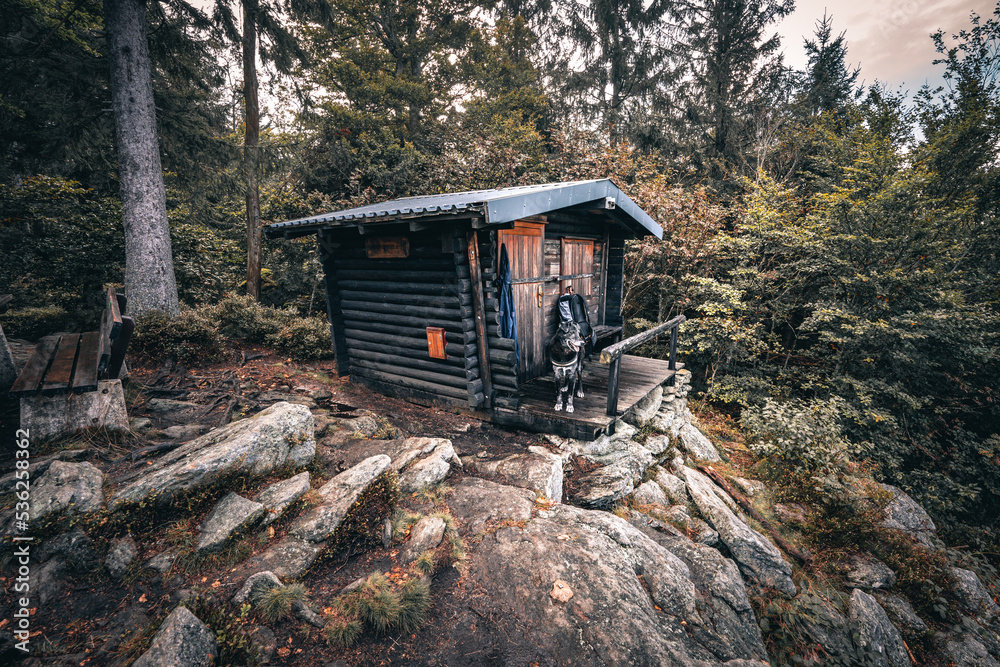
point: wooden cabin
(413, 298)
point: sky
(890, 39)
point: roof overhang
(486, 208)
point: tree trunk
(251, 141)
(149, 268)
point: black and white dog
(566, 353)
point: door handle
(539, 293)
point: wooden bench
(606, 332)
(76, 362)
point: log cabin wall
(380, 309)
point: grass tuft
(275, 604)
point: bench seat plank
(85, 378)
(30, 379)
(61, 370)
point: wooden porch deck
(637, 379)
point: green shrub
(232, 629)
(342, 629)
(192, 336)
(34, 322)
(304, 338)
(802, 438)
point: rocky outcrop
(646, 409)
(182, 641)
(120, 556)
(869, 573)
(697, 445)
(650, 493)
(479, 504)
(972, 594)
(673, 486)
(757, 557)
(878, 637)
(420, 462)
(580, 586)
(279, 496)
(307, 535)
(538, 469)
(729, 627)
(281, 435)
(905, 514)
(232, 515)
(67, 488)
(425, 534)
(901, 613)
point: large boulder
(650, 493)
(479, 504)
(878, 637)
(729, 629)
(757, 557)
(576, 586)
(904, 513)
(231, 516)
(697, 445)
(182, 641)
(70, 488)
(279, 436)
(869, 573)
(537, 469)
(673, 486)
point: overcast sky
(890, 39)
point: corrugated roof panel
(497, 206)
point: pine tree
(732, 66)
(829, 84)
(622, 52)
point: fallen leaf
(142, 598)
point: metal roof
(493, 207)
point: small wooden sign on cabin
(413, 296)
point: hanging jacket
(508, 314)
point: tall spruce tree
(622, 50)
(828, 83)
(732, 66)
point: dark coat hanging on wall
(508, 315)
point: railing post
(613, 386)
(672, 365)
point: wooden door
(578, 260)
(525, 250)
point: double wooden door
(525, 251)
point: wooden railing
(612, 355)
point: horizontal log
(475, 387)
(458, 312)
(455, 349)
(403, 287)
(439, 300)
(412, 332)
(415, 373)
(420, 385)
(422, 322)
(501, 343)
(504, 382)
(439, 263)
(612, 352)
(502, 356)
(414, 276)
(434, 365)
(456, 360)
